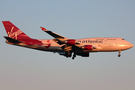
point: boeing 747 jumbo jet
(65, 46)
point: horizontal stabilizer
(12, 40)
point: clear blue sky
(27, 69)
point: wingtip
(44, 29)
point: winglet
(44, 29)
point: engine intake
(70, 42)
(87, 47)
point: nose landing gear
(119, 53)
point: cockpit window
(123, 39)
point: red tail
(13, 31)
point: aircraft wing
(69, 45)
(57, 36)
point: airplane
(65, 46)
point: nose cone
(132, 45)
(126, 45)
(129, 45)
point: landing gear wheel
(73, 58)
(119, 54)
(74, 55)
(68, 54)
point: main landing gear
(69, 54)
(74, 55)
(119, 53)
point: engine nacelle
(87, 47)
(70, 42)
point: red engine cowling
(71, 42)
(88, 47)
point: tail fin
(13, 31)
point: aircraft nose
(132, 45)
(128, 45)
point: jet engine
(71, 41)
(87, 47)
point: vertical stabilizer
(13, 31)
